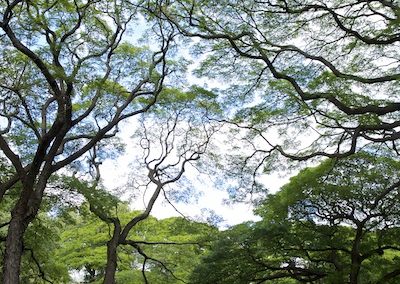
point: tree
(335, 223)
(304, 79)
(174, 243)
(174, 134)
(68, 77)
(40, 242)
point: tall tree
(335, 223)
(68, 77)
(356, 199)
(173, 134)
(172, 247)
(41, 240)
(305, 78)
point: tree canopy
(171, 247)
(303, 79)
(278, 83)
(334, 223)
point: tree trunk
(112, 246)
(355, 255)
(22, 214)
(355, 270)
(14, 247)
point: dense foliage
(73, 245)
(302, 79)
(305, 81)
(335, 223)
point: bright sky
(115, 174)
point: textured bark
(56, 122)
(14, 248)
(112, 246)
(24, 211)
(355, 270)
(356, 256)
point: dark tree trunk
(356, 255)
(24, 211)
(355, 270)
(14, 248)
(112, 246)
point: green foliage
(312, 227)
(41, 243)
(83, 247)
(68, 76)
(72, 76)
(195, 99)
(66, 238)
(324, 72)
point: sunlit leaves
(314, 226)
(84, 247)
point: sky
(116, 173)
